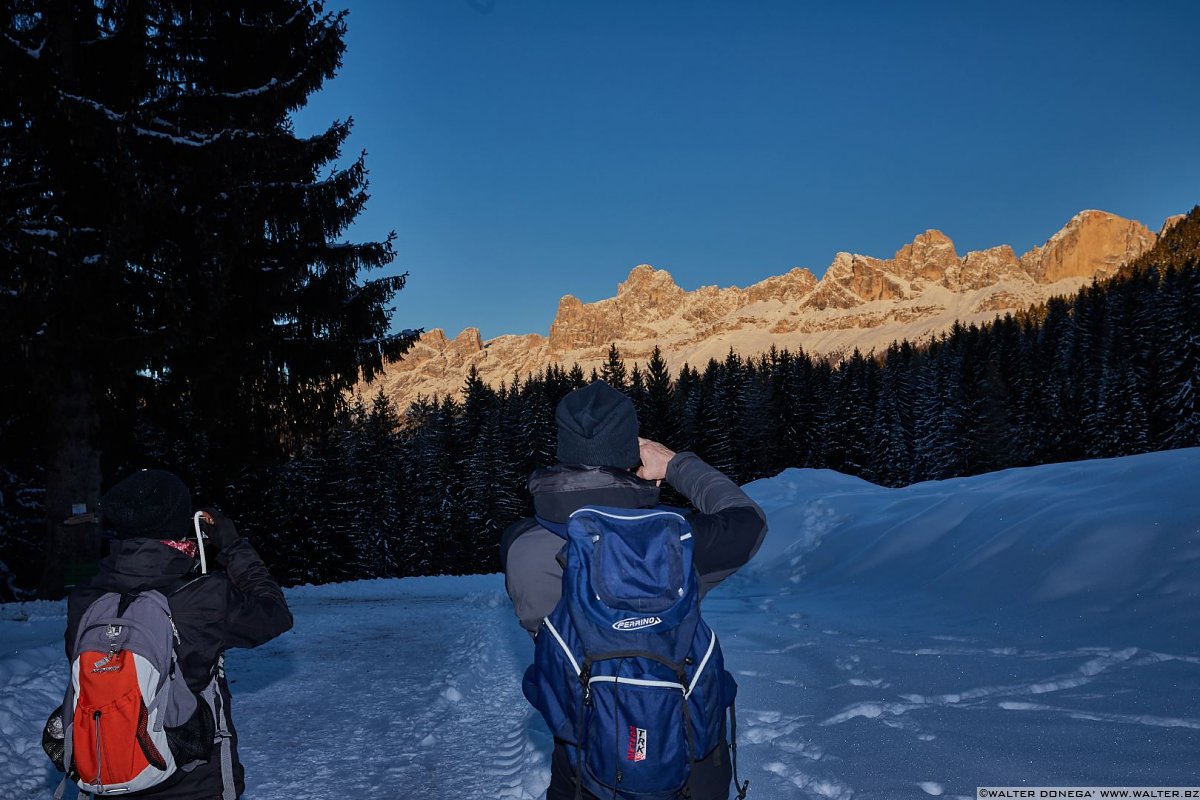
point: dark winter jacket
(728, 528)
(239, 605)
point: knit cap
(151, 504)
(597, 427)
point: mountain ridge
(861, 302)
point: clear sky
(527, 149)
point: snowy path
(387, 687)
(413, 687)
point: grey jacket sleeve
(533, 576)
(729, 527)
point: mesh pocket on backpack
(54, 740)
(146, 743)
(193, 740)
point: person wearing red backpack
(220, 595)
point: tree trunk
(72, 482)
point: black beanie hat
(598, 427)
(151, 504)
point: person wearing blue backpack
(628, 677)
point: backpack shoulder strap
(557, 528)
(126, 600)
(211, 694)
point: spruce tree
(1180, 298)
(435, 513)
(575, 377)
(660, 421)
(637, 394)
(170, 244)
(374, 487)
(687, 407)
(892, 434)
(613, 371)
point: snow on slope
(1034, 626)
(1109, 544)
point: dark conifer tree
(800, 390)
(892, 434)
(1180, 357)
(940, 449)
(300, 514)
(686, 404)
(713, 439)
(174, 244)
(1055, 420)
(637, 394)
(988, 401)
(512, 501)
(575, 377)
(22, 529)
(480, 462)
(1028, 392)
(727, 410)
(435, 512)
(756, 450)
(845, 432)
(613, 370)
(660, 419)
(533, 419)
(374, 487)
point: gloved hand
(220, 529)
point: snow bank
(1112, 542)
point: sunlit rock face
(861, 302)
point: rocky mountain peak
(646, 280)
(648, 293)
(469, 339)
(1092, 243)
(861, 302)
(646, 296)
(790, 287)
(930, 256)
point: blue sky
(526, 149)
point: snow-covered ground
(1033, 626)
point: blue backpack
(624, 669)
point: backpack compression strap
(742, 788)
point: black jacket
(237, 605)
(728, 527)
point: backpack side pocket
(193, 740)
(54, 739)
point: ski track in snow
(439, 714)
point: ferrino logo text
(635, 624)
